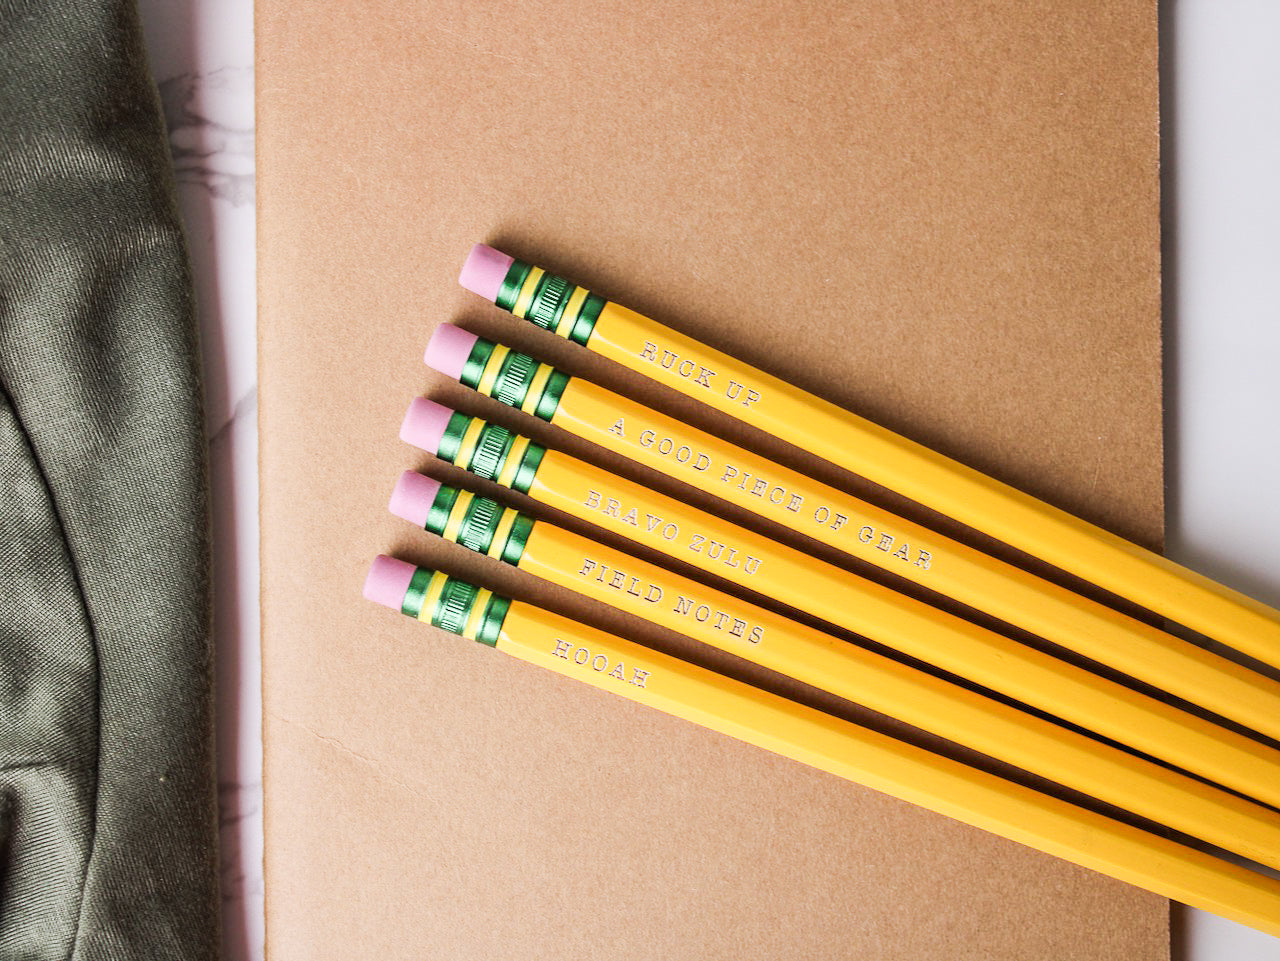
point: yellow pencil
(880, 455)
(713, 617)
(839, 747)
(860, 529)
(841, 598)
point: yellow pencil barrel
(899, 770)
(731, 624)
(862, 530)
(838, 747)
(947, 486)
(838, 597)
(936, 637)
(888, 459)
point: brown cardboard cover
(940, 215)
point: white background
(1221, 86)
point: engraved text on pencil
(668, 530)
(690, 369)
(768, 490)
(689, 607)
(600, 663)
(885, 542)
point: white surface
(201, 54)
(1222, 319)
(1223, 325)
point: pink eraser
(424, 424)
(484, 271)
(448, 350)
(413, 497)
(387, 581)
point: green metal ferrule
(509, 292)
(453, 609)
(456, 605)
(580, 333)
(492, 448)
(549, 302)
(479, 524)
(473, 367)
(441, 507)
(517, 540)
(416, 592)
(528, 468)
(450, 440)
(549, 402)
(488, 458)
(515, 379)
(482, 519)
(491, 624)
(550, 299)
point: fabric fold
(107, 799)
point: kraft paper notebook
(943, 217)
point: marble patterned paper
(202, 60)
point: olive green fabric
(107, 804)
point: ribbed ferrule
(550, 302)
(514, 379)
(482, 525)
(456, 606)
(492, 452)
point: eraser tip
(387, 581)
(448, 350)
(484, 271)
(424, 424)
(413, 497)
